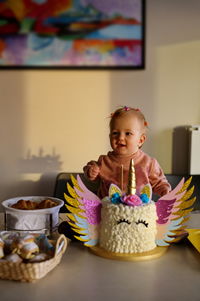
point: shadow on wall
(164, 147)
(38, 173)
(36, 176)
(40, 163)
(43, 186)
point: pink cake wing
(85, 211)
(172, 211)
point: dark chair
(64, 178)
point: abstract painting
(72, 34)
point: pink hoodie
(147, 170)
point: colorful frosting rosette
(116, 197)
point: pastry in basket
(7, 237)
(39, 257)
(45, 245)
(25, 246)
(1, 248)
(13, 258)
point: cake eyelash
(123, 221)
(140, 221)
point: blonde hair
(123, 111)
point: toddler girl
(127, 135)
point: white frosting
(127, 229)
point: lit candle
(122, 177)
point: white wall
(63, 114)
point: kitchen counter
(83, 276)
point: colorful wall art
(72, 34)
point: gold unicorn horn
(131, 188)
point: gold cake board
(153, 254)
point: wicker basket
(30, 272)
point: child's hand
(93, 170)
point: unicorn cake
(128, 229)
(129, 223)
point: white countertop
(83, 276)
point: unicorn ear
(147, 190)
(114, 189)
